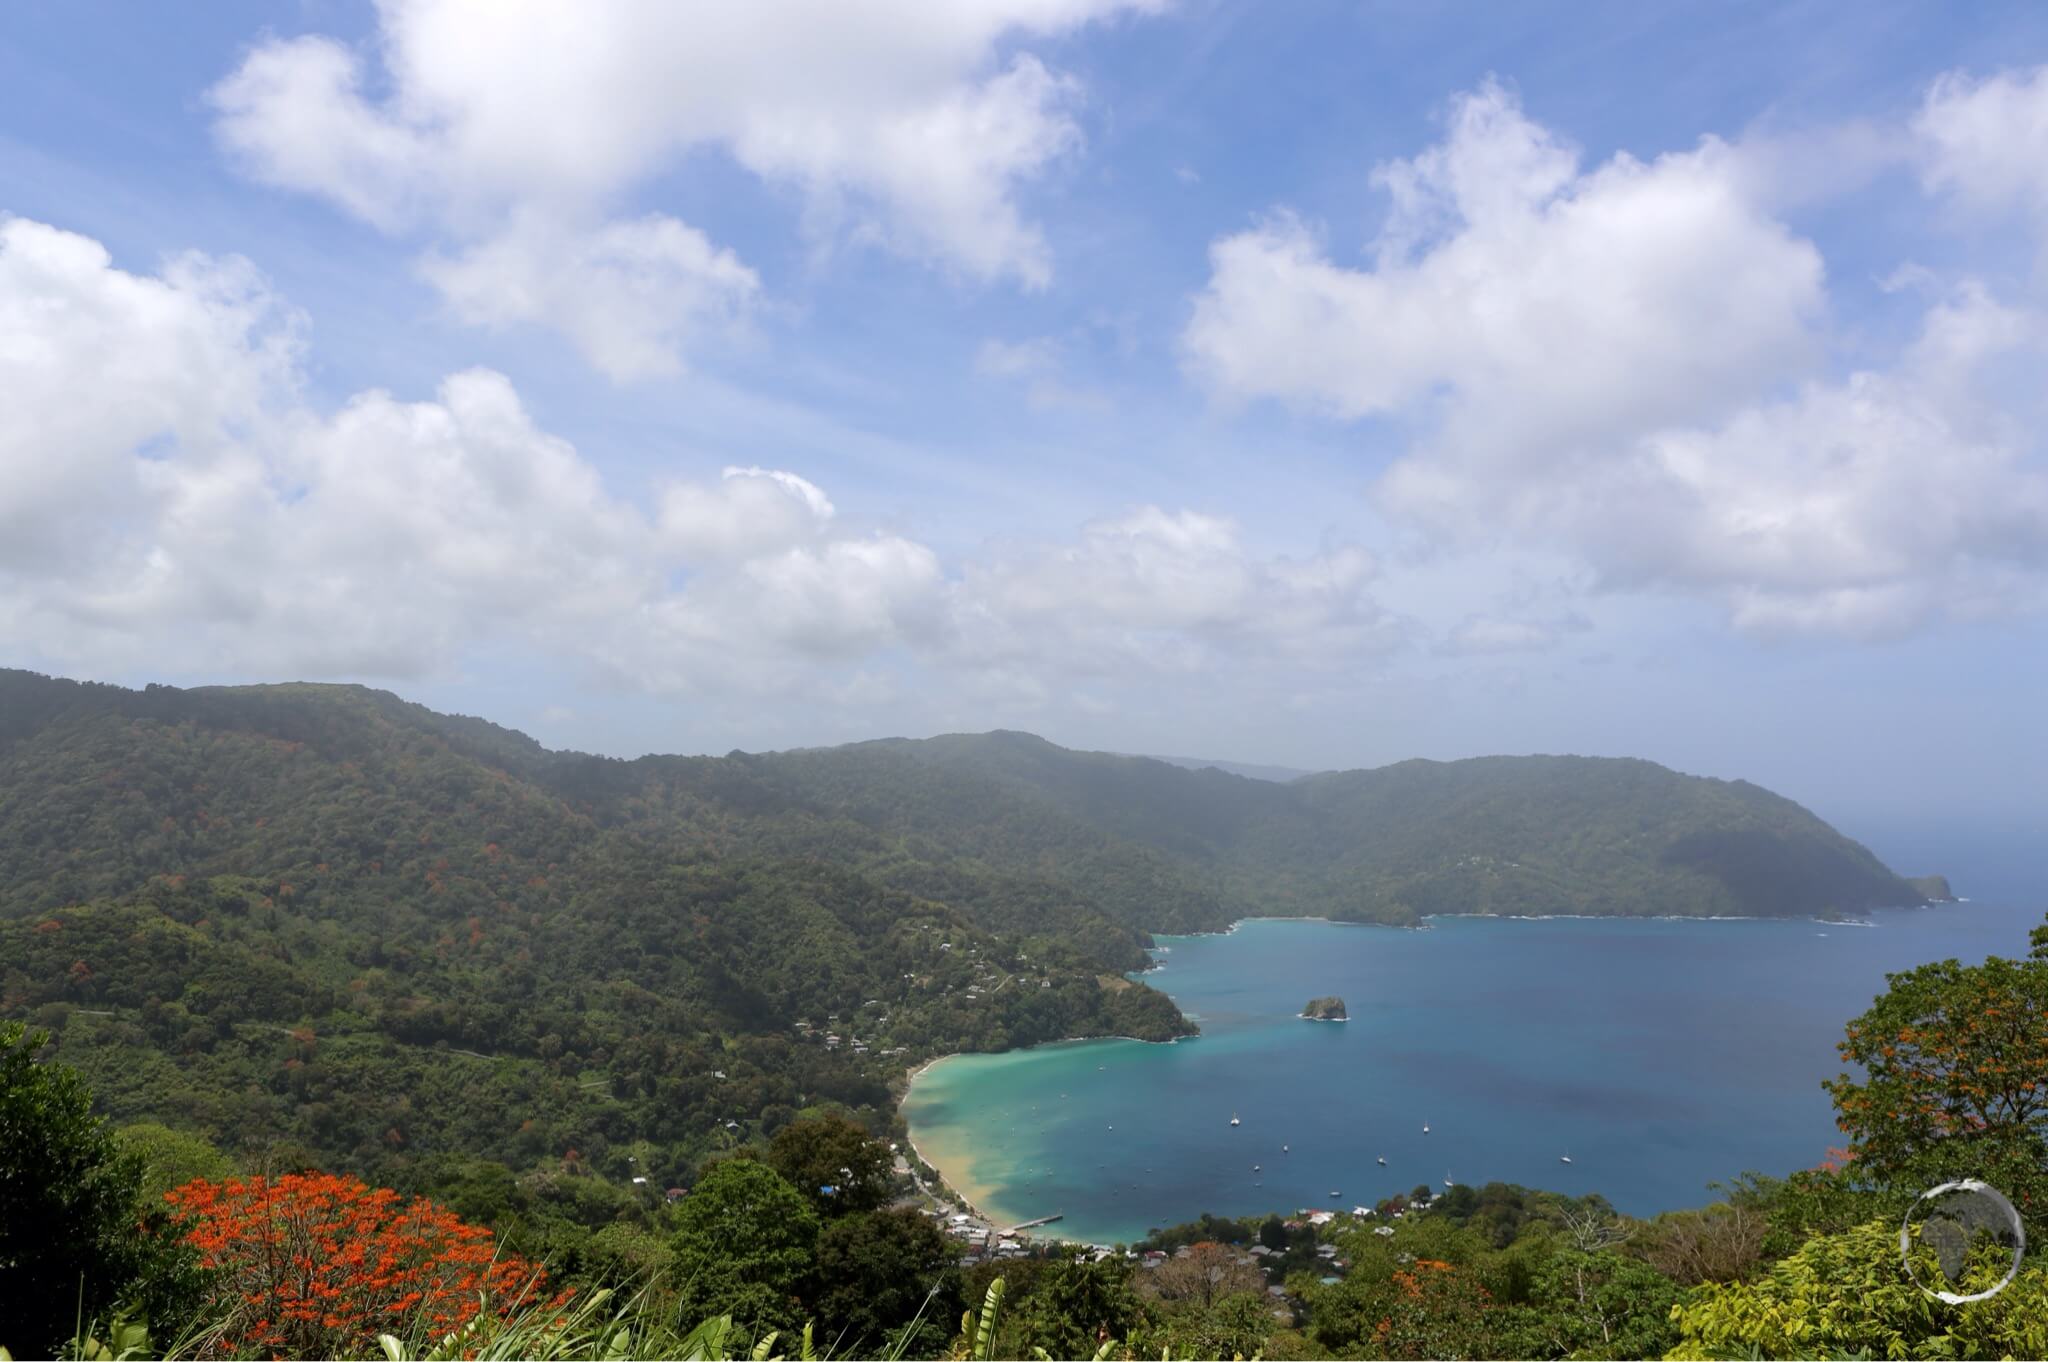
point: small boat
(1233, 1118)
(1258, 1168)
(1448, 1182)
(1336, 1194)
(1383, 1160)
(1283, 1149)
(1564, 1158)
(1425, 1130)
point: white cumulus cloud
(1625, 363)
(747, 512)
(101, 368)
(1179, 585)
(631, 294)
(170, 502)
(1985, 139)
(909, 125)
(1530, 304)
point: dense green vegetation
(326, 927)
(301, 927)
(324, 924)
(99, 783)
(761, 1260)
(70, 1203)
(1523, 835)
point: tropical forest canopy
(281, 948)
(142, 1242)
(319, 918)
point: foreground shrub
(75, 1240)
(744, 1246)
(1849, 1293)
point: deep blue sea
(1660, 1055)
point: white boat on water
(1564, 1158)
(1448, 1182)
(1425, 1130)
(1233, 1118)
(1383, 1160)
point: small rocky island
(1325, 1009)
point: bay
(1661, 1055)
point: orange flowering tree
(317, 1265)
(1954, 1081)
(1433, 1309)
(1423, 1308)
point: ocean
(1660, 1055)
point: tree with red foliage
(317, 1265)
(1954, 1080)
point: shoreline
(944, 1188)
(946, 1185)
(1422, 923)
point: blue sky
(1313, 384)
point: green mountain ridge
(1521, 835)
(324, 918)
(1279, 775)
(1016, 829)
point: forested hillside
(323, 923)
(1518, 835)
(322, 916)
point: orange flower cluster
(1411, 1283)
(318, 1265)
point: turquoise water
(1661, 1055)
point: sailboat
(1383, 1160)
(1564, 1158)
(1233, 1118)
(1448, 1182)
(1425, 1130)
(1283, 1149)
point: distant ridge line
(1278, 775)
